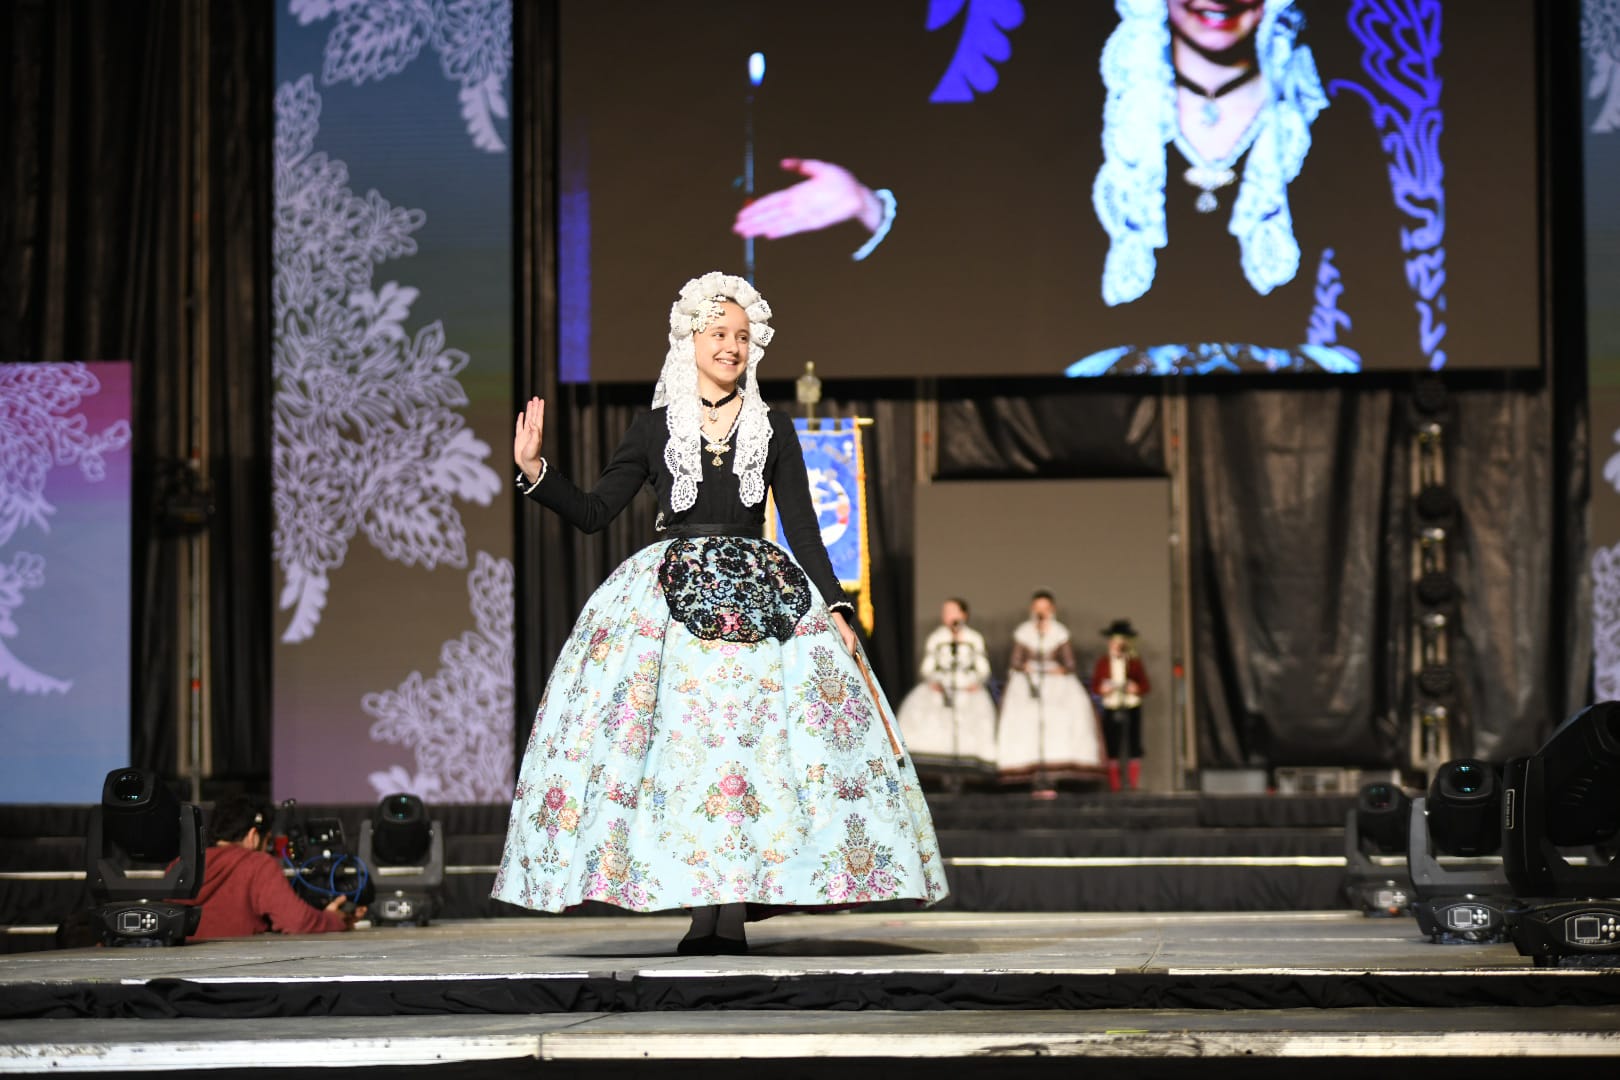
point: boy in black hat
(1119, 680)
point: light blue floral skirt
(705, 738)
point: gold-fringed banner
(834, 458)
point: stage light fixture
(1374, 835)
(1433, 713)
(1437, 680)
(404, 850)
(144, 849)
(1465, 899)
(1464, 808)
(1548, 933)
(1436, 589)
(1430, 397)
(1382, 811)
(1567, 795)
(1435, 503)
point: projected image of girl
(1238, 134)
(1219, 237)
(710, 738)
(1208, 121)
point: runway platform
(853, 995)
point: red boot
(1134, 773)
(1113, 775)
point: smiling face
(1215, 27)
(1041, 609)
(721, 350)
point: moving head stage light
(405, 852)
(1566, 795)
(1374, 834)
(1461, 817)
(144, 848)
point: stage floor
(927, 985)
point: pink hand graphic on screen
(829, 195)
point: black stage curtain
(1299, 539)
(1302, 521)
(1034, 433)
(136, 227)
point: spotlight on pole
(1567, 795)
(144, 849)
(405, 851)
(1374, 839)
(1464, 898)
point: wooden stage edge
(872, 987)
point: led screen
(988, 187)
(64, 578)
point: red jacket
(1134, 672)
(244, 893)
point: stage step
(869, 1044)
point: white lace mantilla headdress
(693, 311)
(1139, 121)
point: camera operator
(244, 891)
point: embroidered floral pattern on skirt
(669, 769)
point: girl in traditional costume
(948, 719)
(1048, 727)
(710, 737)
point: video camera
(322, 865)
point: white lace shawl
(1139, 121)
(968, 666)
(678, 390)
(1043, 645)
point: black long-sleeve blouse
(639, 460)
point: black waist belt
(703, 528)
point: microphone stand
(1039, 687)
(951, 694)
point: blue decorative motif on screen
(1213, 358)
(982, 46)
(1327, 319)
(1400, 46)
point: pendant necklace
(1210, 112)
(715, 406)
(718, 446)
(1210, 176)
